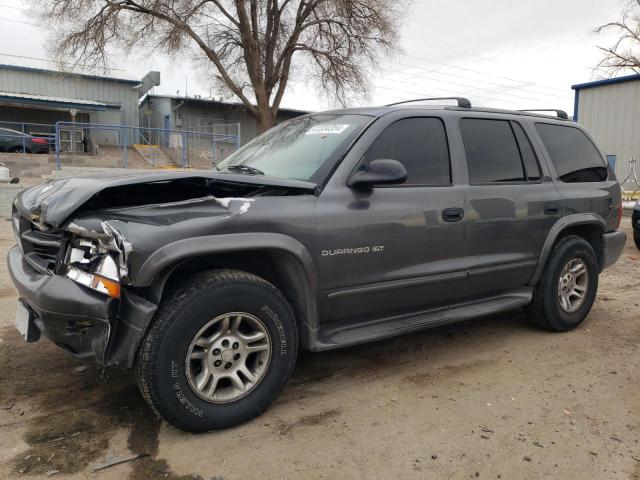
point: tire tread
(535, 310)
(184, 292)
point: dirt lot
(492, 398)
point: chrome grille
(41, 249)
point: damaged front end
(82, 241)
(69, 282)
(97, 260)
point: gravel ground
(490, 398)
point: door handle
(452, 214)
(551, 208)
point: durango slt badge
(353, 251)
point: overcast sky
(499, 53)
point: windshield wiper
(245, 169)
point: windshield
(305, 148)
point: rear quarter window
(573, 154)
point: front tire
(636, 238)
(566, 292)
(219, 351)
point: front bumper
(83, 322)
(612, 247)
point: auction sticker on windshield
(327, 128)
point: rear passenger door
(511, 204)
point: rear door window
(492, 151)
(573, 154)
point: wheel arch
(279, 259)
(588, 226)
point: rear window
(573, 154)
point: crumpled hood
(53, 202)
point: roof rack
(560, 113)
(462, 102)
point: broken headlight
(90, 265)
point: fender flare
(165, 259)
(561, 225)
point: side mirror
(378, 172)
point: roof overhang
(53, 103)
(219, 103)
(607, 81)
(92, 76)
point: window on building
(492, 151)
(573, 154)
(420, 144)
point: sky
(497, 53)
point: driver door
(394, 249)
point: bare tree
(624, 54)
(253, 45)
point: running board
(345, 333)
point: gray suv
(328, 230)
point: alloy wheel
(573, 284)
(228, 357)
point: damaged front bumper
(86, 323)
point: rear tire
(19, 150)
(636, 238)
(571, 269)
(219, 351)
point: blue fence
(159, 147)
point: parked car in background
(635, 222)
(329, 230)
(19, 142)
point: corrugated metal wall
(197, 115)
(72, 86)
(612, 114)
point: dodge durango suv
(329, 230)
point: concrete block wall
(38, 165)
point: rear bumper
(612, 247)
(83, 322)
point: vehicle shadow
(68, 409)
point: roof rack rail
(560, 113)
(462, 102)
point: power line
(478, 72)
(536, 98)
(13, 20)
(489, 95)
(446, 91)
(502, 85)
(473, 87)
(13, 7)
(64, 64)
(461, 52)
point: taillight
(41, 141)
